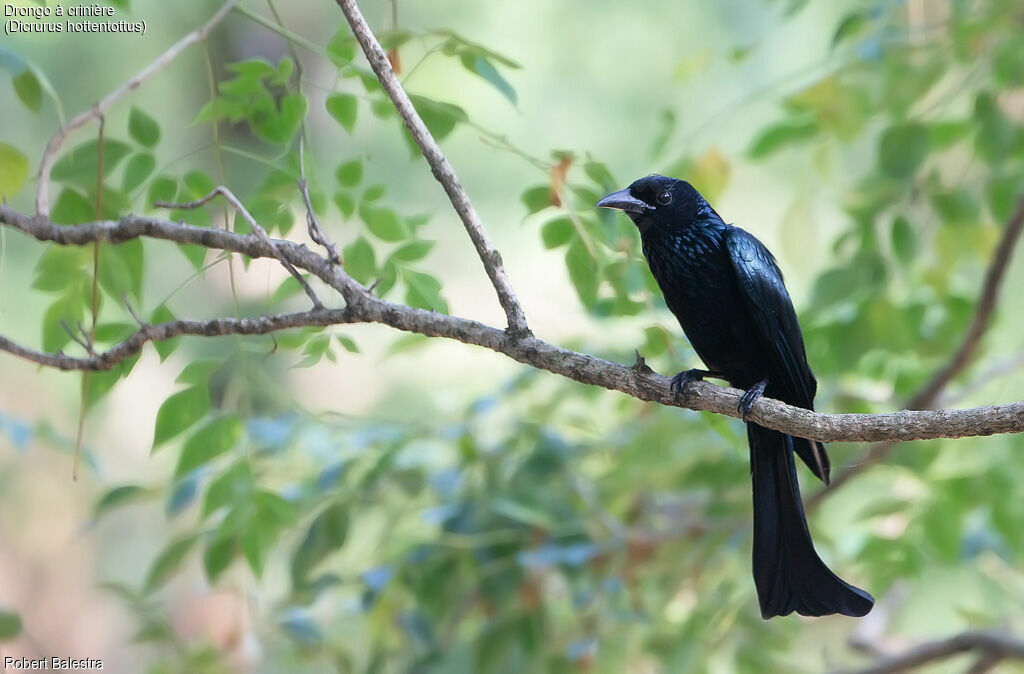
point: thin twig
(78, 340)
(439, 166)
(640, 383)
(987, 643)
(103, 105)
(256, 227)
(131, 310)
(928, 395)
(315, 232)
(216, 327)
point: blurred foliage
(554, 527)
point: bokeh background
(387, 503)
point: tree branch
(256, 227)
(103, 105)
(928, 395)
(439, 166)
(216, 327)
(313, 227)
(988, 644)
(362, 307)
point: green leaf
(423, 291)
(852, 25)
(582, 272)
(348, 343)
(1008, 63)
(384, 223)
(26, 85)
(957, 206)
(196, 185)
(346, 203)
(138, 168)
(904, 240)
(163, 188)
(342, 48)
(143, 128)
(557, 232)
(79, 165)
(412, 251)
(279, 125)
(198, 372)
(387, 279)
(59, 267)
(67, 310)
(315, 349)
(10, 625)
(1001, 195)
(599, 172)
(218, 554)
(111, 333)
(374, 192)
(944, 134)
(522, 513)
(72, 207)
(781, 134)
(994, 139)
(350, 173)
(168, 561)
(164, 348)
(180, 412)
(902, 149)
(118, 496)
(484, 68)
(439, 117)
(13, 170)
(536, 198)
(343, 108)
(326, 534)
(232, 487)
(209, 442)
(274, 508)
(359, 260)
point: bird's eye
(665, 198)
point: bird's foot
(750, 397)
(680, 381)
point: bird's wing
(771, 312)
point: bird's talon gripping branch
(748, 399)
(681, 380)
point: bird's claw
(681, 380)
(750, 397)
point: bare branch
(104, 104)
(439, 166)
(362, 307)
(216, 327)
(256, 227)
(989, 644)
(928, 395)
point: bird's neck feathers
(706, 224)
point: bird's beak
(623, 201)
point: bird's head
(661, 203)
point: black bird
(727, 291)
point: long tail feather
(788, 573)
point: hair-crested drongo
(728, 294)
